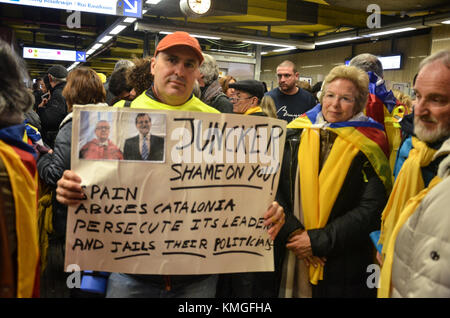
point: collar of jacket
(57, 86)
(151, 93)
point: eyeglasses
(240, 98)
(330, 97)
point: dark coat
(222, 103)
(344, 241)
(52, 114)
(51, 168)
(131, 149)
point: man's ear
(152, 66)
(297, 75)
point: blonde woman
(334, 183)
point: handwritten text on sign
(199, 211)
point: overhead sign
(81, 56)
(128, 8)
(53, 54)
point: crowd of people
(364, 178)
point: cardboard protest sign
(190, 199)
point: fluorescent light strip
(338, 40)
(230, 51)
(390, 31)
(285, 49)
(96, 46)
(118, 29)
(129, 20)
(195, 35)
(446, 22)
(205, 37)
(105, 39)
(72, 66)
(267, 43)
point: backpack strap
(127, 103)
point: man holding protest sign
(175, 68)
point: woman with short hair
(225, 82)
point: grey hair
(368, 62)
(123, 63)
(209, 69)
(442, 56)
(15, 98)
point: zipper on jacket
(292, 143)
(167, 282)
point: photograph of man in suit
(144, 146)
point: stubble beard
(430, 135)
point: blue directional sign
(81, 56)
(131, 8)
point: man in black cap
(247, 97)
(53, 110)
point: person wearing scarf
(382, 105)
(247, 97)
(211, 92)
(333, 186)
(19, 247)
(246, 100)
(414, 230)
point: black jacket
(222, 104)
(52, 114)
(344, 241)
(51, 168)
(131, 149)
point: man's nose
(421, 108)
(179, 69)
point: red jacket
(94, 150)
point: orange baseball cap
(180, 38)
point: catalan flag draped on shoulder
(384, 108)
(408, 184)
(19, 159)
(319, 189)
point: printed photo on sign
(136, 136)
(98, 137)
(145, 144)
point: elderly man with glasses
(101, 147)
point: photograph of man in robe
(144, 146)
(101, 147)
